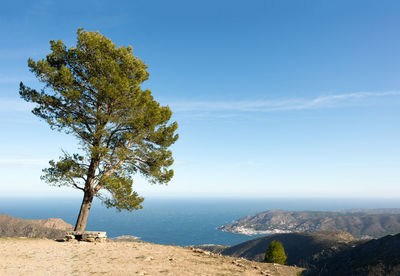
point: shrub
(275, 253)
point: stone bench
(88, 236)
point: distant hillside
(371, 211)
(361, 223)
(329, 253)
(302, 249)
(376, 257)
(52, 228)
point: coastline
(250, 232)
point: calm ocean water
(177, 221)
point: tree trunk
(84, 212)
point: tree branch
(112, 169)
(76, 185)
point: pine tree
(93, 92)
(275, 253)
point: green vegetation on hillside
(275, 253)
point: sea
(177, 221)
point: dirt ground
(22, 256)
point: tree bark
(88, 196)
(84, 211)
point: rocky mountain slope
(329, 253)
(302, 249)
(375, 257)
(361, 223)
(52, 228)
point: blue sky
(273, 98)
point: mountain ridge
(302, 249)
(362, 223)
(51, 228)
(328, 253)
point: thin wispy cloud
(181, 163)
(328, 101)
(15, 79)
(22, 163)
(8, 79)
(15, 105)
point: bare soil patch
(22, 256)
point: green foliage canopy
(93, 92)
(275, 253)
